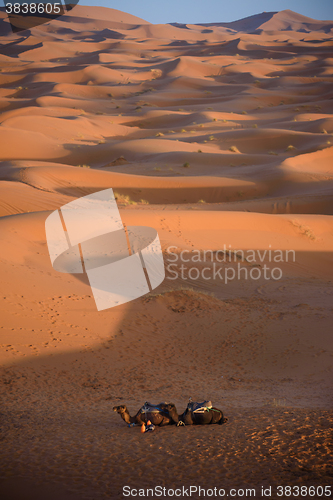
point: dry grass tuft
(304, 230)
(124, 199)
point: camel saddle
(150, 408)
(199, 407)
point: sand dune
(220, 137)
(285, 20)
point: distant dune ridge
(285, 20)
(219, 136)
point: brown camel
(157, 414)
(210, 415)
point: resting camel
(157, 414)
(189, 417)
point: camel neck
(127, 417)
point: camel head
(178, 419)
(172, 410)
(120, 409)
(171, 407)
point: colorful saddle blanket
(199, 407)
(149, 407)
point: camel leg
(223, 420)
(165, 421)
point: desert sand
(218, 134)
